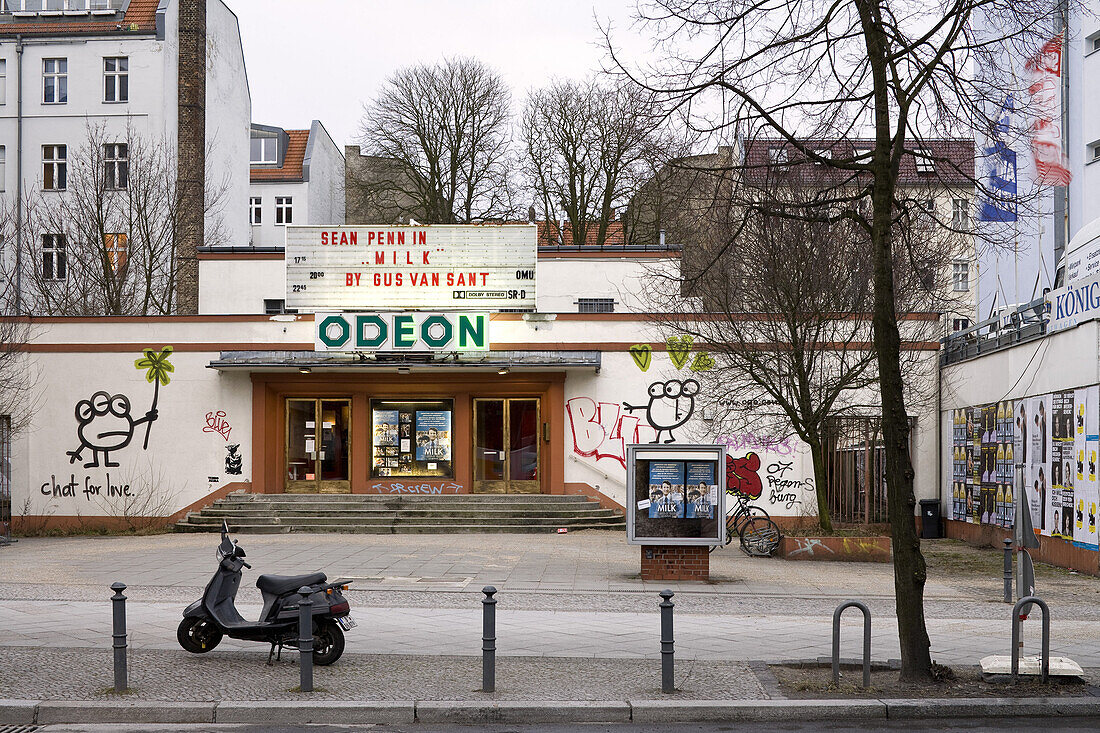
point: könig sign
(401, 332)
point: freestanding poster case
(676, 494)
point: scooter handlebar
(246, 564)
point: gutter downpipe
(19, 175)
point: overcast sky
(323, 59)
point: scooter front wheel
(198, 635)
(328, 643)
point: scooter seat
(279, 584)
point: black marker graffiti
(104, 425)
(233, 460)
(671, 404)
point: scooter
(214, 615)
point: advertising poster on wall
(1062, 468)
(1039, 452)
(989, 444)
(1005, 510)
(1088, 490)
(958, 453)
(666, 489)
(433, 435)
(701, 490)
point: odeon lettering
(402, 332)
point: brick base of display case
(675, 562)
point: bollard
(118, 608)
(1017, 617)
(668, 655)
(1008, 571)
(866, 640)
(489, 640)
(305, 638)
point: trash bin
(930, 519)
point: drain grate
(19, 728)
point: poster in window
(701, 490)
(666, 489)
(385, 428)
(433, 435)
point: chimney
(190, 151)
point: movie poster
(666, 489)
(1040, 458)
(1006, 471)
(958, 456)
(988, 477)
(1086, 443)
(1062, 464)
(433, 435)
(701, 491)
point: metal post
(489, 640)
(118, 634)
(1008, 571)
(668, 655)
(1017, 617)
(866, 640)
(305, 638)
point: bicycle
(758, 533)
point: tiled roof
(292, 161)
(953, 161)
(548, 235)
(141, 17)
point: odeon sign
(401, 332)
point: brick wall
(191, 152)
(665, 562)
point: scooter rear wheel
(198, 635)
(328, 643)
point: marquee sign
(396, 332)
(452, 267)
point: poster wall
(1054, 439)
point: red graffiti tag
(741, 476)
(600, 430)
(216, 423)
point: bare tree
(446, 129)
(107, 242)
(797, 70)
(587, 147)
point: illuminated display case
(412, 438)
(676, 494)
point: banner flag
(1045, 68)
(999, 160)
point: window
(53, 167)
(53, 257)
(118, 253)
(960, 276)
(924, 162)
(1093, 153)
(823, 153)
(960, 213)
(959, 324)
(862, 154)
(116, 79)
(116, 167)
(3, 166)
(255, 211)
(265, 150)
(284, 210)
(55, 81)
(3, 81)
(595, 305)
(274, 307)
(777, 156)
(411, 438)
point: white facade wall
(267, 233)
(325, 163)
(561, 281)
(239, 286)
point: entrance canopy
(492, 360)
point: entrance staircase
(408, 514)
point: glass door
(317, 439)
(506, 446)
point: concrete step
(215, 522)
(411, 498)
(361, 513)
(186, 526)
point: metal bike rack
(866, 640)
(1016, 620)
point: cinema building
(484, 364)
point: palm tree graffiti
(157, 368)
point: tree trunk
(824, 518)
(909, 567)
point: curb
(43, 712)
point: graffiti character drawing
(742, 476)
(671, 404)
(104, 425)
(233, 460)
